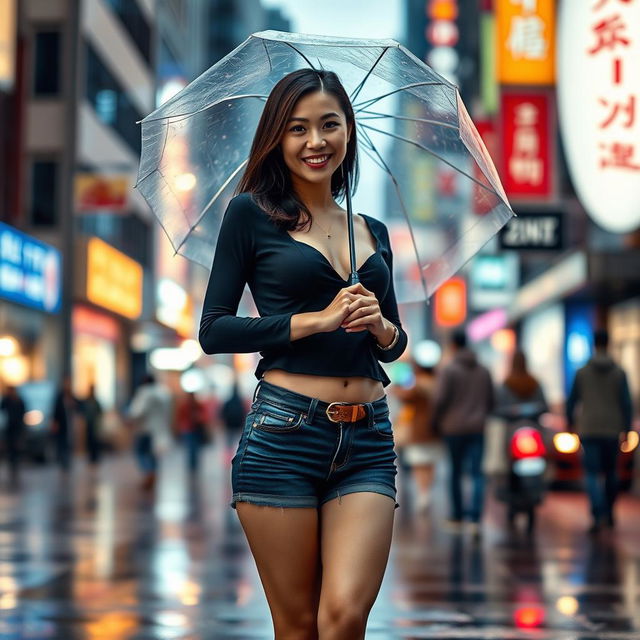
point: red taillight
(527, 443)
(529, 617)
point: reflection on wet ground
(92, 557)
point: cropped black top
(288, 277)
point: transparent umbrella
(435, 184)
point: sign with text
(30, 271)
(539, 231)
(527, 154)
(114, 281)
(598, 101)
(526, 41)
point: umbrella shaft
(353, 278)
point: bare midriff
(327, 388)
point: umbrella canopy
(438, 190)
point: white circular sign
(599, 107)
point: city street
(99, 559)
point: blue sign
(30, 271)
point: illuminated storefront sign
(174, 307)
(442, 34)
(95, 192)
(450, 307)
(526, 41)
(493, 280)
(7, 44)
(30, 271)
(114, 281)
(533, 231)
(599, 103)
(527, 146)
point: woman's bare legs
(423, 475)
(285, 545)
(355, 540)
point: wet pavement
(93, 557)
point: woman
(314, 474)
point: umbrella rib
(300, 53)
(402, 206)
(357, 90)
(434, 154)
(207, 106)
(164, 145)
(266, 50)
(377, 116)
(370, 101)
(223, 186)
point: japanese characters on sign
(526, 41)
(527, 139)
(598, 96)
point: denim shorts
(291, 455)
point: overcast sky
(348, 18)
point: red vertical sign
(527, 145)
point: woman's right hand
(332, 316)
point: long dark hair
(519, 380)
(267, 177)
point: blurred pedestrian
(421, 450)
(13, 410)
(191, 419)
(92, 411)
(233, 414)
(151, 411)
(464, 399)
(599, 410)
(520, 395)
(65, 412)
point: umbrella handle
(353, 277)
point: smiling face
(314, 143)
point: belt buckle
(334, 404)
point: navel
(345, 383)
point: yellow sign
(7, 44)
(526, 41)
(114, 281)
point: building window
(44, 193)
(46, 67)
(110, 102)
(135, 24)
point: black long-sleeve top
(287, 277)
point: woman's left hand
(365, 314)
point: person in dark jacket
(92, 411)
(64, 412)
(13, 408)
(464, 399)
(599, 410)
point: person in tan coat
(420, 443)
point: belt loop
(312, 410)
(370, 412)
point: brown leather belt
(345, 412)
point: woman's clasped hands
(354, 309)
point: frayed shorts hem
(311, 502)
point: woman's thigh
(355, 535)
(285, 545)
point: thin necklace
(327, 231)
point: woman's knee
(299, 626)
(342, 618)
